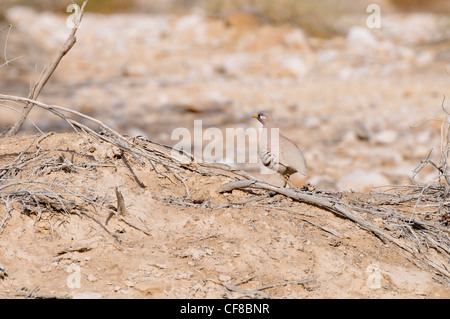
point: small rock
(295, 65)
(328, 55)
(323, 182)
(149, 287)
(362, 181)
(241, 20)
(197, 287)
(385, 137)
(188, 23)
(185, 275)
(224, 278)
(161, 266)
(196, 253)
(87, 295)
(363, 131)
(361, 40)
(91, 278)
(296, 39)
(425, 58)
(44, 269)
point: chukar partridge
(277, 152)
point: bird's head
(264, 117)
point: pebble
(296, 39)
(150, 287)
(224, 278)
(295, 65)
(87, 295)
(385, 137)
(44, 269)
(361, 39)
(425, 58)
(362, 181)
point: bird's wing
(292, 156)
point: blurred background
(363, 103)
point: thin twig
(39, 85)
(203, 238)
(7, 61)
(121, 210)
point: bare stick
(121, 210)
(8, 211)
(252, 293)
(258, 293)
(284, 283)
(81, 249)
(7, 61)
(335, 206)
(203, 238)
(39, 85)
(33, 294)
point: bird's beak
(255, 116)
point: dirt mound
(102, 215)
(82, 218)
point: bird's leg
(286, 179)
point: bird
(278, 152)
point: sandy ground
(366, 109)
(192, 247)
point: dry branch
(258, 293)
(34, 294)
(81, 249)
(7, 61)
(43, 79)
(341, 209)
(334, 205)
(121, 210)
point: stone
(361, 40)
(295, 65)
(44, 269)
(87, 295)
(363, 131)
(412, 29)
(224, 278)
(241, 20)
(385, 137)
(425, 58)
(196, 253)
(362, 181)
(296, 39)
(150, 287)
